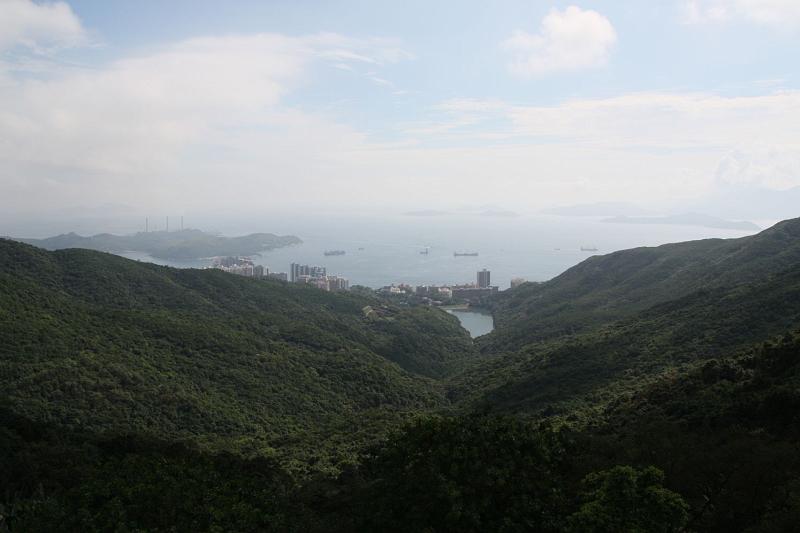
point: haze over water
(536, 248)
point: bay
(385, 249)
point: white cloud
(567, 40)
(663, 121)
(39, 26)
(761, 166)
(204, 115)
(772, 12)
(676, 121)
(633, 147)
(205, 122)
(333, 46)
(472, 105)
(701, 12)
(782, 14)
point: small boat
(588, 248)
(425, 251)
(465, 254)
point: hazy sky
(187, 105)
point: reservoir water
(475, 321)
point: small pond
(476, 321)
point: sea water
(384, 250)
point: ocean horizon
(385, 250)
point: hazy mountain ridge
(570, 373)
(182, 244)
(597, 209)
(620, 284)
(616, 321)
(686, 219)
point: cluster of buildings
(470, 292)
(243, 266)
(306, 274)
(318, 277)
(300, 273)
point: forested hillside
(652, 389)
(622, 284)
(96, 342)
(614, 322)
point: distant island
(687, 219)
(498, 213)
(176, 245)
(426, 213)
(598, 209)
(484, 213)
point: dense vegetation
(104, 344)
(615, 322)
(453, 474)
(653, 389)
(622, 284)
(176, 245)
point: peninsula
(184, 244)
(687, 219)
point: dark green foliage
(488, 473)
(59, 481)
(626, 499)
(635, 392)
(672, 328)
(464, 474)
(726, 432)
(177, 245)
(101, 343)
(423, 340)
(622, 284)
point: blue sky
(550, 102)
(456, 45)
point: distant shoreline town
(317, 276)
(472, 293)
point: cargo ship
(334, 252)
(588, 248)
(465, 254)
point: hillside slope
(605, 288)
(96, 342)
(613, 323)
(726, 432)
(642, 378)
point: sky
(198, 105)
